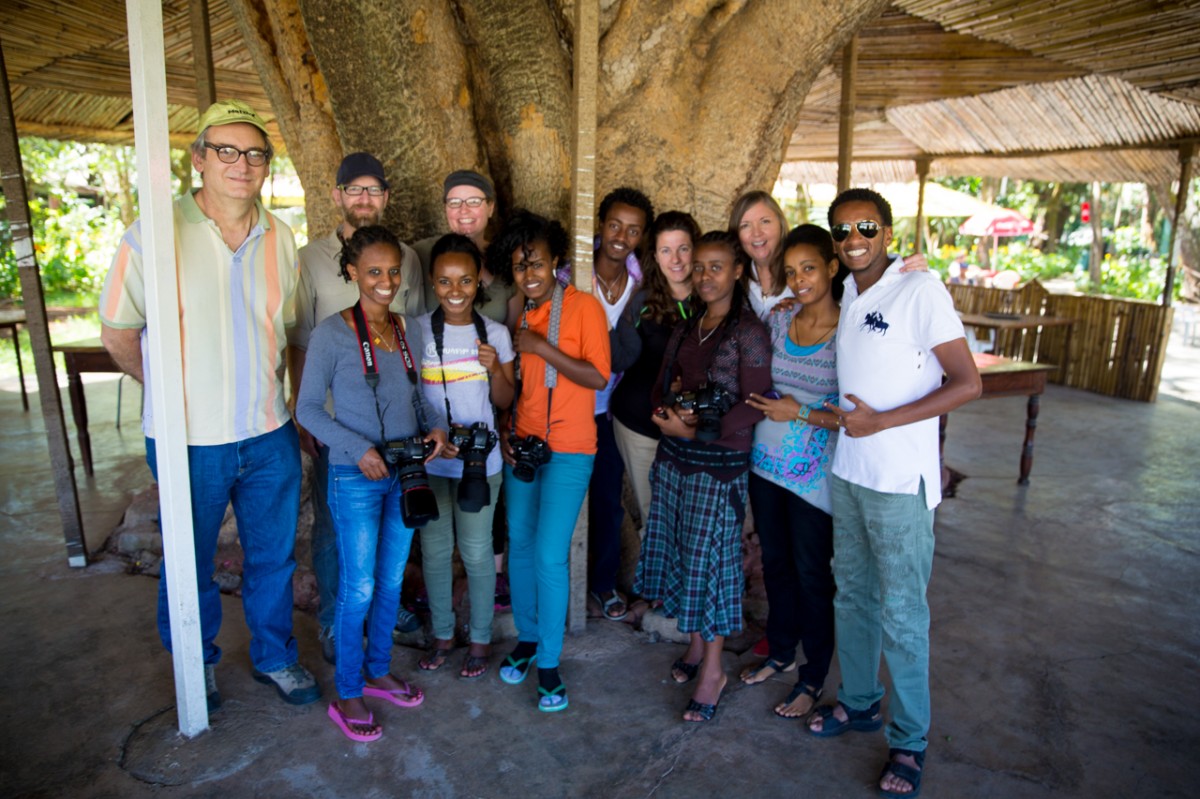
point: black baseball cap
(356, 165)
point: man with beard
(361, 193)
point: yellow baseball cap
(226, 112)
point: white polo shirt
(885, 357)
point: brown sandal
(473, 667)
(434, 660)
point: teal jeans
(541, 522)
(474, 534)
(882, 558)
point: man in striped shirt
(237, 269)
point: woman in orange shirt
(562, 351)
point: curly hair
(627, 196)
(660, 304)
(524, 229)
(863, 196)
(819, 239)
(363, 238)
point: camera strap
(371, 371)
(551, 376)
(437, 323)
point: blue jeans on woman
(372, 547)
(261, 477)
(541, 522)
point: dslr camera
(474, 444)
(530, 453)
(709, 402)
(418, 505)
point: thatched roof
(988, 87)
(1074, 90)
(68, 68)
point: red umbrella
(997, 222)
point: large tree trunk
(697, 98)
(280, 48)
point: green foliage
(76, 222)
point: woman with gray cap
(470, 201)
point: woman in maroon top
(692, 553)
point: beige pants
(637, 451)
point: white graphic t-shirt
(466, 382)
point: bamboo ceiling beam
(202, 61)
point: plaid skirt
(692, 549)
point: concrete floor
(1066, 635)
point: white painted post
(147, 67)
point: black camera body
(474, 444)
(530, 454)
(709, 402)
(418, 505)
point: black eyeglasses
(869, 229)
(470, 202)
(354, 191)
(230, 155)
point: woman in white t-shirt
(466, 368)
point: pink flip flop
(409, 696)
(339, 718)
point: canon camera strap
(371, 371)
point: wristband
(802, 414)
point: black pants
(606, 514)
(797, 554)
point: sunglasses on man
(869, 229)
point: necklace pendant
(376, 341)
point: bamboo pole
(12, 175)
(846, 114)
(1186, 153)
(583, 226)
(922, 175)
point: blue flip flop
(553, 701)
(514, 671)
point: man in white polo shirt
(361, 193)
(237, 269)
(897, 337)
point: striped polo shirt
(234, 310)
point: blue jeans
(541, 522)
(882, 559)
(261, 477)
(372, 548)
(324, 544)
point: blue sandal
(907, 773)
(552, 701)
(515, 670)
(867, 720)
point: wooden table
(12, 320)
(1003, 377)
(1002, 322)
(84, 356)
